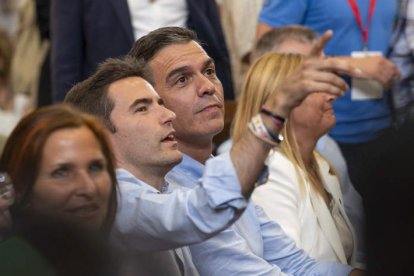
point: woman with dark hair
(61, 167)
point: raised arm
(148, 220)
(316, 74)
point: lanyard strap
(357, 14)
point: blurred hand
(377, 68)
(6, 199)
(316, 74)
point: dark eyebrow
(139, 101)
(183, 69)
(176, 71)
(208, 62)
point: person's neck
(198, 151)
(151, 175)
(306, 144)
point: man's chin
(174, 158)
(219, 126)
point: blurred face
(144, 136)
(314, 115)
(185, 77)
(73, 184)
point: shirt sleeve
(281, 12)
(148, 220)
(229, 254)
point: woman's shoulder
(282, 174)
(278, 160)
(19, 257)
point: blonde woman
(302, 192)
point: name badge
(365, 89)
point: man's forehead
(131, 87)
(179, 46)
(179, 54)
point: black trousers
(359, 156)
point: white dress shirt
(147, 16)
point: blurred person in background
(362, 33)
(8, 15)
(12, 107)
(85, 33)
(28, 55)
(60, 164)
(239, 21)
(402, 54)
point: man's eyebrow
(208, 62)
(186, 68)
(177, 71)
(139, 101)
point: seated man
(145, 149)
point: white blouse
(302, 212)
(344, 232)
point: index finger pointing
(317, 49)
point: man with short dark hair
(86, 32)
(145, 150)
(185, 77)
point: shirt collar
(125, 176)
(190, 167)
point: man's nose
(329, 97)
(206, 86)
(166, 115)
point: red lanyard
(357, 14)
